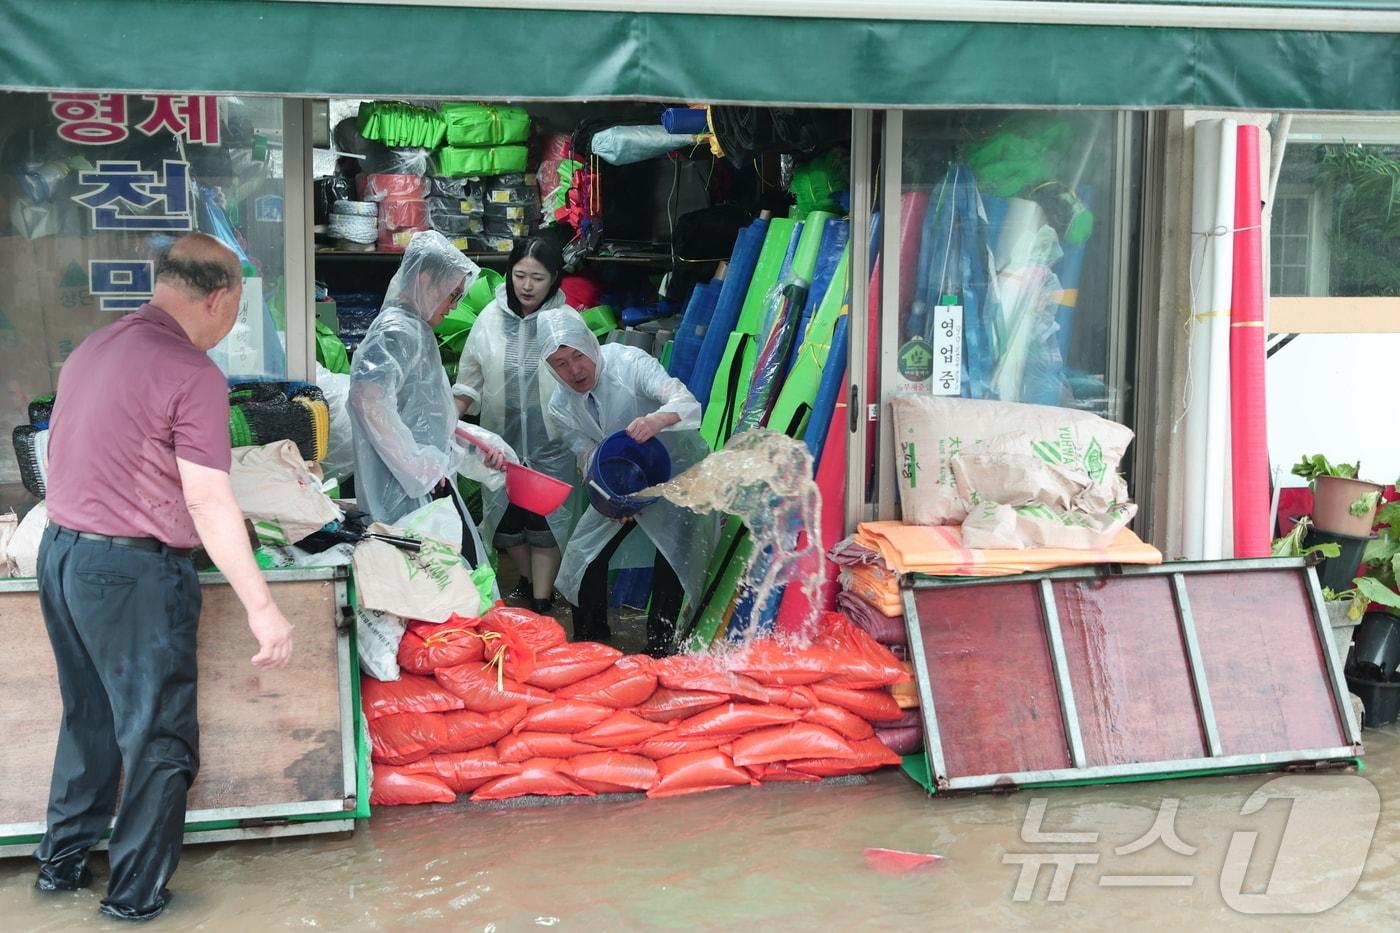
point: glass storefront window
(91, 187)
(1013, 231)
(1335, 228)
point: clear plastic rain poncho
(501, 377)
(630, 384)
(401, 405)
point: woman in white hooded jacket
(605, 390)
(499, 379)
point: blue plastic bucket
(620, 468)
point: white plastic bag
(339, 462)
(24, 543)
(9, 524)
(378, 635)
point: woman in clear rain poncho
(401, 407)
(621, 388)
(500, 380)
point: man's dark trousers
(123, 624)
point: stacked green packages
(399, 125)
(472, 124)
(481, 160)
(483, 139)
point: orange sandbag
(667, 705)
(427, 647)
(526, 745)
(774, 664)
(566, 716)
(409, 694)
(569, 663)
(697, 771)
(869, 754)
(542, 776)
(668, 745)
(839, 720)
(785, 743)
(615, 769)
(735, 719)
(870, 705)
(703, 672)
(539, 632)
(393, 786)
(483, 691)
(778, 771)
(406, 737)
(464, 772)
(619, 730)
(467, 730)
(862, 663)
(629, 682)
(798, 698)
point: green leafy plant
(1310, 468)
(1291, 544)
(1380, 567)
(1364, 184)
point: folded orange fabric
(876, 585)
(939, 550)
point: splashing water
(765, 479)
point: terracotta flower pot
(1332, 500)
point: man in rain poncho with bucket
(401, 405)
(608, 391)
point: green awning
(408, 50)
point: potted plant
(1371, 674)
(1339, 605)
(1342, 503)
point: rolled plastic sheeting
(742, 262)
(623, 145)
(1212, 257)
(690, 120)
(1249, 455)
(690, 336)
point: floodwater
(790, 857)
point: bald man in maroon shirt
(139, 458)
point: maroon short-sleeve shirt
(132, 398)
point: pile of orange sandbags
(504, 705)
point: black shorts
(520, 527)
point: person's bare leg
(544, 567)
(520, 557)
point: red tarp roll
(1248, 432)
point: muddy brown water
(776, 857)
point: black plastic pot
(1375, 652)
(1382, 700)
(1338, 572)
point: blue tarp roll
(684, 120)
(690, 336)
(828, 390)
(731, 300)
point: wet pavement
(790, 857)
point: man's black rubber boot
(123, 912)
(69, 875)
